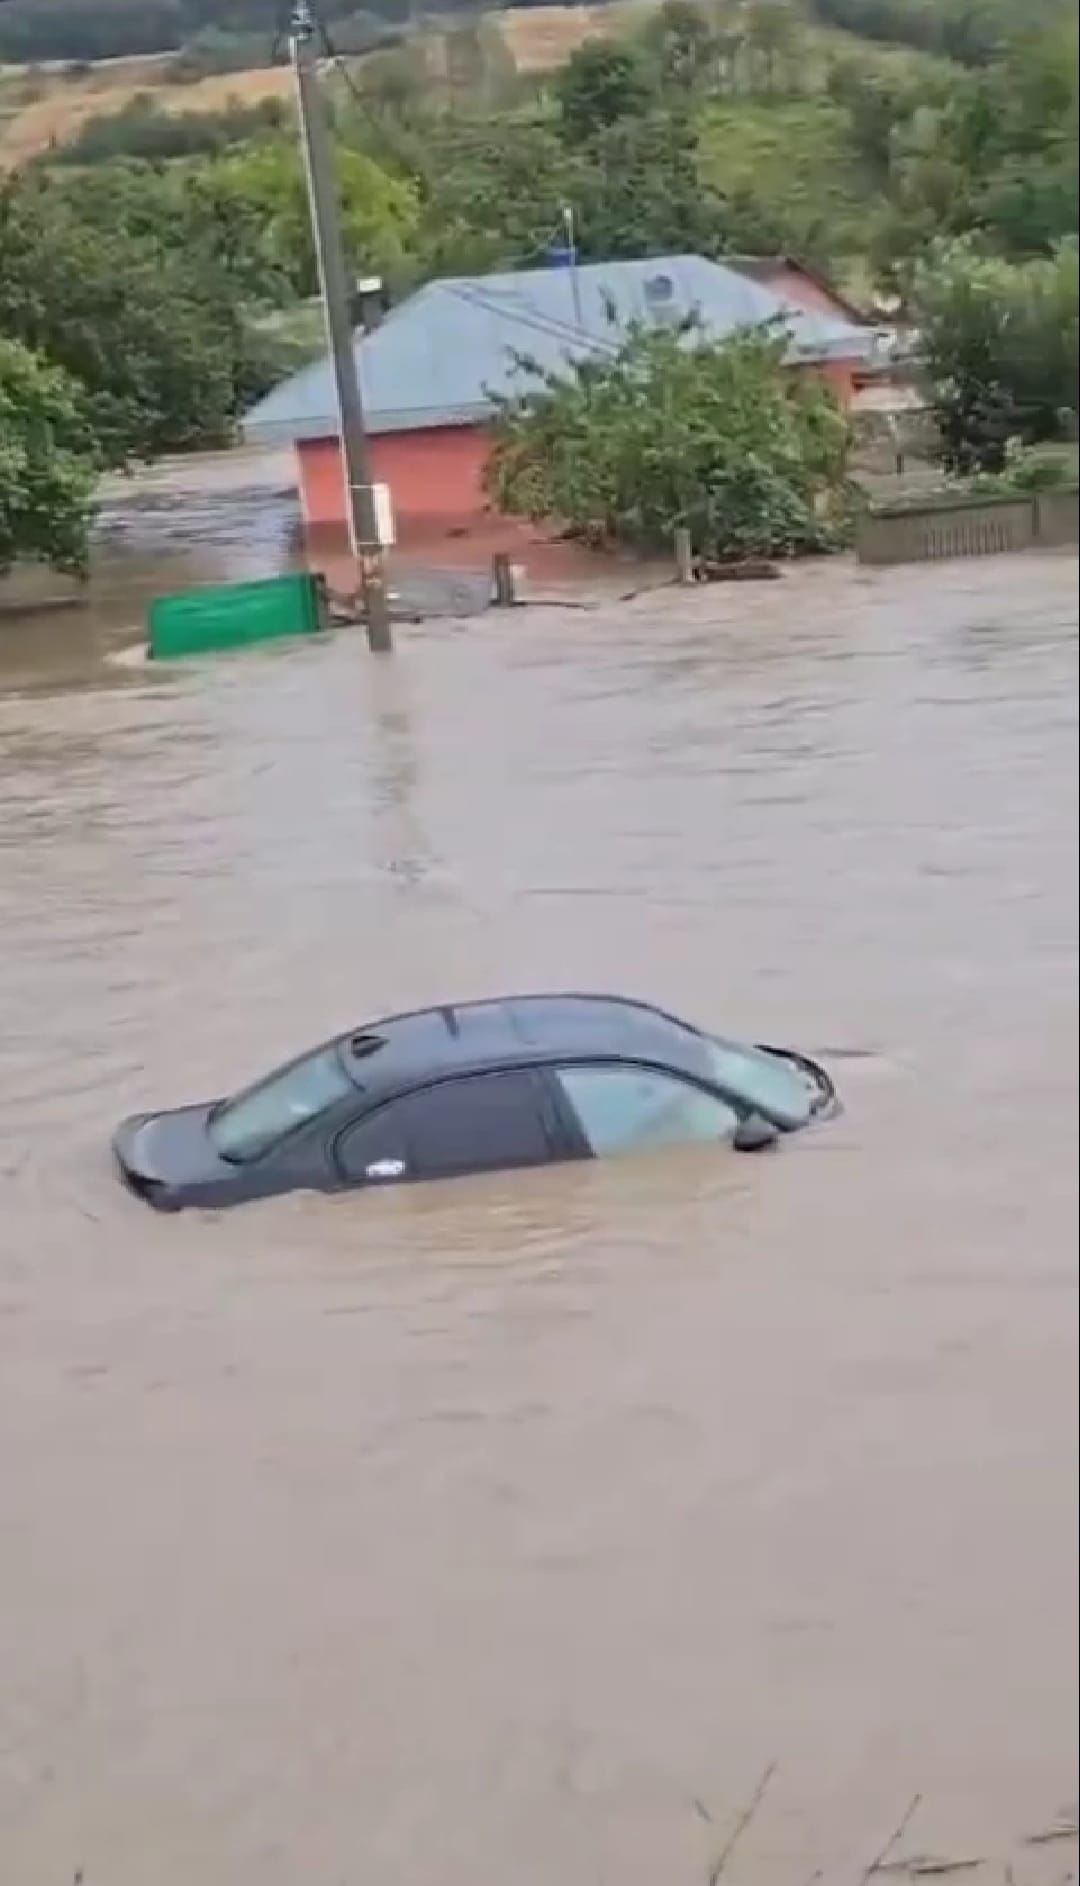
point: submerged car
(478, 1087)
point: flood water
(507, 1533)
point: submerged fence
(968, 526)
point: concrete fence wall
(1057, 518)
(967, 527)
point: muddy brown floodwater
(504, 1533)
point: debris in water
(1066, 1826)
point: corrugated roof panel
(438, 358)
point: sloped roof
(771, 270)
(436, 359)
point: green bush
(673, 430)
(1038, 468)
(142, 130)
(48, 464)
(999, 346)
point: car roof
(517, 1030)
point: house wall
(802, 291)
(435, 478)
(842, 376)
(435, 475)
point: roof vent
(370, 303)
(659, 293)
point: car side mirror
(754, 1133)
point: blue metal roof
(439, 356)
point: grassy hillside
(45, 107)
(540, 39)
(747, 146)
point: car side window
(626, 1109)
(375, 1149)
(477, 1123)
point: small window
(249, 1124)
(479, 1123)
(625, 1109)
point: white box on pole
(383, 509)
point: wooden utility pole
(333, 281)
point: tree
(48, 465)
(114, 277)
(600, 85)
(678, 37)
(969, 31)
(641, 192)
(674, 430)
(494, 194)
(140, 129)
(875, 103)
(393, 83)
(73, 30)
(1027, 192)
(992, 149)
(379, 211)
(772, 34)
(478, 63)
(999, 346)
(33, 30)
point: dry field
(41, 107)
(541, 38)
(48, 105)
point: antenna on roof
(571, 261)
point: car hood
(173, 1149)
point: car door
(469, 1123)
(622, 1107)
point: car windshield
(777, 1088)
(249, 1124)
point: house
(429, 371)
(884, 383)
(797, 283)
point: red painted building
(435, 476)
(430, 370)
(800, 286)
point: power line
(339, 64)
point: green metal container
(232, 615)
